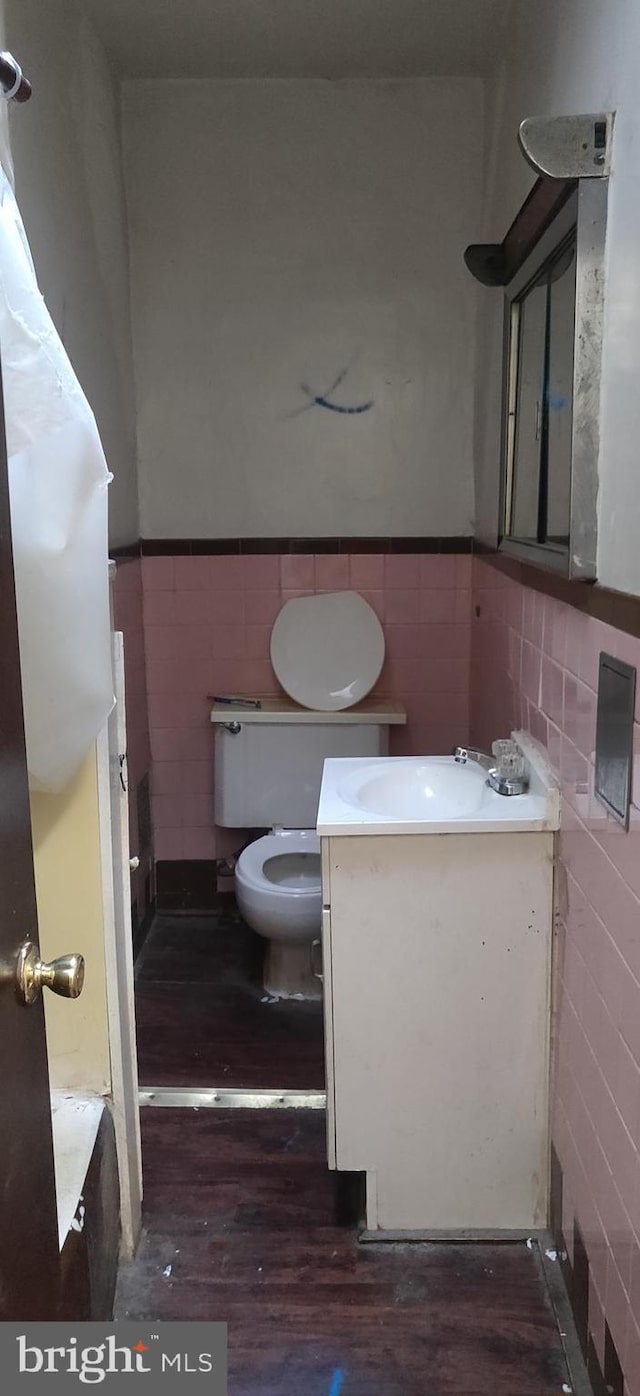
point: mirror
(542, 338)
(553, 320)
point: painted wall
(535, 666)
(208, 622)
(282, 233)
(576, 57)
(66, 843)
(68, 173)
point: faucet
(462, 754)
(506, 769)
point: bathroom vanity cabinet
(437, 962)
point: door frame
(113, 816)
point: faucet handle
(504, 746)
(509, 758)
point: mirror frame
(579, 560)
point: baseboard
(187, 884)
(610, 1380)
(440, 1235)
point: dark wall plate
(614, 736)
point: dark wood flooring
(201, 1017)
(240, 1205)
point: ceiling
(297, 38)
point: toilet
(268, 771)
(279, 894)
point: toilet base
(288, 972)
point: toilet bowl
(279, 894)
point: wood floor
(239, 1205)
(201, 1016)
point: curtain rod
(13, 84)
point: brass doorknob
(64, 976)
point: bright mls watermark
(171, 1357)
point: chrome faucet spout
(506, 769)
(462, 754)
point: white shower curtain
(58, 482)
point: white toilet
(268, 770)
(279, 893)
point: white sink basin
(425, 788)
(430, 795)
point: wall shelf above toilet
(381, 711)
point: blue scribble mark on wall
(336, 1382)
(324, 399)
(557, 401)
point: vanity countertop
(430, 795)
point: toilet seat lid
(327, 650)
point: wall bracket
(568, 147)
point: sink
(430, 795)
(424, 788)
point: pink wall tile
(261, 607)
(261, 572)
(160, 608)
(403, 675)
(401, 607)
(596, 1105)
(463, 572)
(189, 573)
(226, 640)
(201, 842)
(197, 742)
(438, 570)
(208, 607)
(166, 811)
(196, 809)
(366, 571)
(402, 570)
(169, 844)
(290, 595)
(208, 622)
(168, 777)
(257, 641)
(128, 575)
(198, 775)
(375, 600)
(552, 690)
(439, 605)
(533, 617)
(446, 641)
(554, 638)
(222, 573)
(449, 675)
(158, 573)
(297, 572)
(331, 572)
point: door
(29, 1258)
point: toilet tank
(270, 773)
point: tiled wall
(454, 630)
(128, 617)
(535, 666)
(208, 622)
